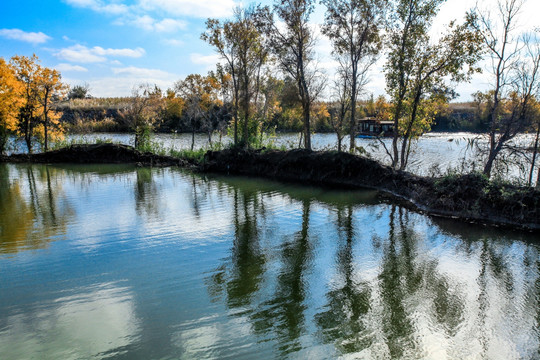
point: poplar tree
(292, 43)
(354, 27)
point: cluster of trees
(268, 77)
(28, 92)
(420, 69)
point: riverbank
(471, 198)
(97, 153)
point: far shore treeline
(268, 79)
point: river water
(113, 261)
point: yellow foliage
(10, 96)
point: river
(114, 261)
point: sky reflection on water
(114, 261)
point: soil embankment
(97, 154)
(469, 197)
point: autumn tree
(418, 67)
(50, 89)
(141, 114)
(173, 110)
(354, 27)
(291, 40)
(514, 76)
(11, 101)
(27, 71)
(201, 95)
(239, 43)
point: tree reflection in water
(33, 207)
(416, 304)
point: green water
(136, 263)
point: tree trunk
(307, 128)
(353, 112)
(535, 151)
(491, 158)
(192, 134)
(46, 119)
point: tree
(49, 90)
(292, 43)
(141, 115)
(502, 45)
(79, 92)
(341, 106)
(201, 95)
(239, 42)
(354, 27)
(27, 71)
(417, 67)
(11, 91)
(173, 110)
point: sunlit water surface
(136, 263)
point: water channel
(118, 262)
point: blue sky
(114, 44)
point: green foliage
(79, 92)
(418, 69)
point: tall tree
(11, 91)
(354, 28)
(292, 42)
(239, 42)
(417, 68)
(50, 89)
(27, 70)
(342, 102)
(498, 36)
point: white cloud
(100, 6)
(166, 25)
(132, 53)
(195, 8)
(173, 42)
(69, 67)
(31, 37)
(169, 25)
(200, 59)
(82, 54)
(79, 54)
(123, 85)
(126, 78)
(142, 72)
